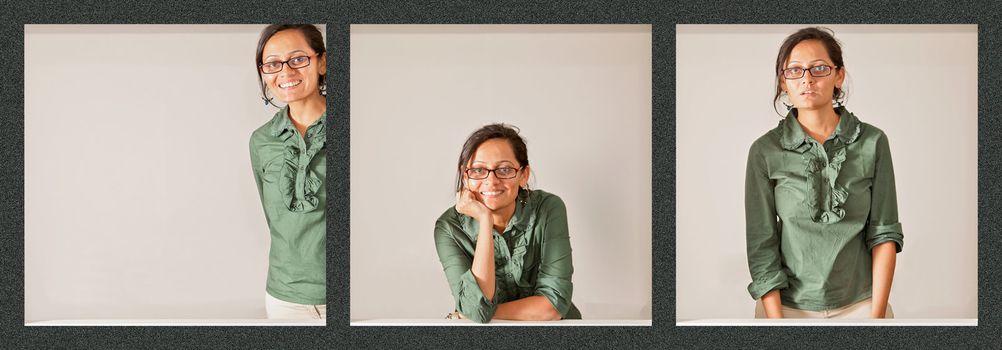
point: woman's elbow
(552, 315)
(547, 313)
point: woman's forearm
(772, 304)
(534, 308)
(483, 258)
(884, 259)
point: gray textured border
(663, 16)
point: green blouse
(289, 171)
(532, 257)
(813, 212)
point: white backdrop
(581, 95)
(918, 83)
(139, 196)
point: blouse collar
(794, 136)
(281, 123)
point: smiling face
(293, 84)
(810, 92)
(498, 195)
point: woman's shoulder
(870, 132)
(542, 201)
(542, 196)
(451, 219)
(859, 131)
(542, 210)
(453, 224)
(269, 130)
(261, 134)
(770, 139)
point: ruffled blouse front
(289, 170)
(297, 182)
(822, 165)
(814, 210)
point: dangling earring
(264, 95)
(786, 97)
(323, 86)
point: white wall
(918, 83)
(581, 95)
(139, 196)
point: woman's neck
(304, 112)
(818, 123)
(500, 218)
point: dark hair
(827, 38)
(488, 132)
(313, 38)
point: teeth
(290, 84)
(491, 193)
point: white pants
(858, 310)
(281, 309)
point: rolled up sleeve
(470, 300)
(762, 228)
(882, 224)
(555, 268)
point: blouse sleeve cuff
(760, 286)
(472, 303)
(558, 292)
(877, 234)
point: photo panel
(141, 202)
(579, 96)
(915, 84)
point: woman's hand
(467, 204)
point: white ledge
(446, 322)
(966, 322)
(180, 322)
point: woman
(820, 209)
(289, 162)
(504, 248)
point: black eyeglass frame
(309, 61)
(494, 171)
(810, 69)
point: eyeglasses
(294, 63)
(501, 173)
(816, 71)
